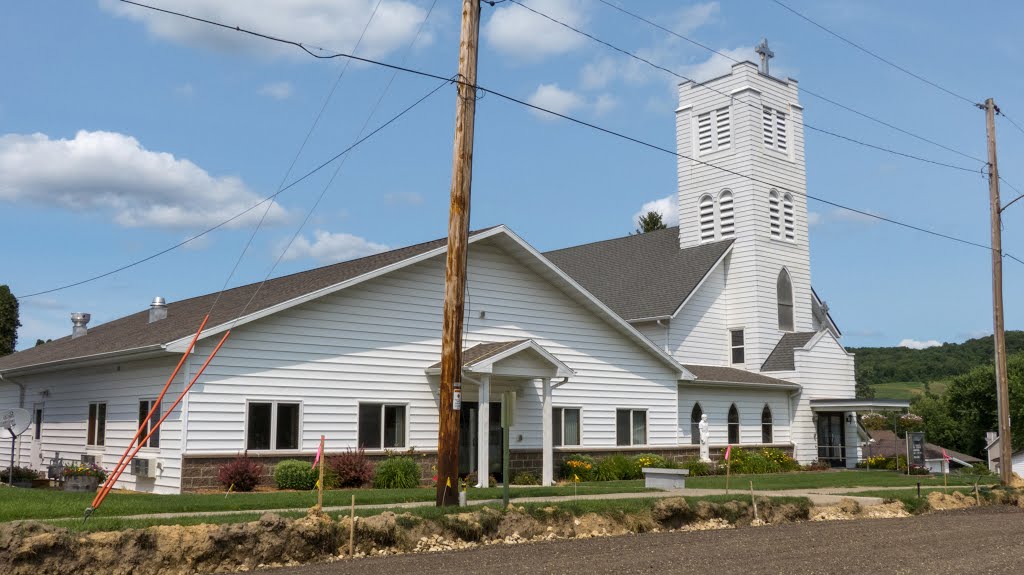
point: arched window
(734, 425)
(784, 290)
(694, 421)
(787, 217)
(766, 424)
(774, 214)
(725, 214)
(707, 218)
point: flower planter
(81, 483)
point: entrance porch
(837, 428)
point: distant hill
(893, 371)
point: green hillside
(902, 373)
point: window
(707, 219)
(144, 407)
(97, 432)
(787, 217)
(272, 425)
(381, 425)
(774, 214)
(694, 424)
(774, 129)
(784, 290)
(39, 424)
(725, 213)
(630, 427)
(736, 343)
(734, 425)
(566, 425)
(766, 424)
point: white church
(614, 346)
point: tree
(650, 222)
(9, 323)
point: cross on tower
(766, 54)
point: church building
(614, 346)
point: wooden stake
(752, 500)
(728, 468)
(455, 270)
(999, 335)
(352, 530)
(977, 497)
(320, 483)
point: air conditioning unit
(144, 467)
(89, 459)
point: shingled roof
(640, 276)
(718, 374)
(134, 332)
(482, 351)
(782, 357)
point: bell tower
(741, 177)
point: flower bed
(85, 477)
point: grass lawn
(826, 479)
(907, 389)
(47, 504)
(577, 508)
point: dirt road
(979, 541)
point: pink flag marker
(728, 450)
(319, 453)
(945, 456)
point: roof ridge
(620, 238)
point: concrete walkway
(817, 497)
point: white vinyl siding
(826, 371)
(715, 401)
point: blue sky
(123, 132)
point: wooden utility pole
(998, 336)
(455, 271)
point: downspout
(664, 325)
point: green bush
(578, 465)
(294, 474)
(617, 467)
(697, 467)
(397, 473)
(650, 460)
(472, 479)
(978, 469)
(784, 461)
(525, 478)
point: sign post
(14, 421)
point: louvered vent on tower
(780, 131)
(722, 128)
(705, 137)
(787, 217)
(774, 214)
(707, 219)
(725, 214)
(768, 126)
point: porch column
(547, 472)
(483, 437)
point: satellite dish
(15, 420)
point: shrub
(400, 472)
(471, 480)
(242, 472)
(617, 467)
(578, 465)
(743, 461)
(918, 470)
(978, 469)
(525, 478)
(697, 467)
(650, 460)
(20, 474)
(350, 469)
(817, 465)
(784, 461)
(294, 474)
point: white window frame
(383, 404)
(273, 424)
(733, 347)
(149, 425)
(647, 426)
(91, 438)
(578, 408)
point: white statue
(705, 449)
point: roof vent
(157, 309)
(79, 321)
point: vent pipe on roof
(79, 323)
(157, 309)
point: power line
(751, 104)
(586, 124)
(802, 87)
(877, 57)
(252, 207)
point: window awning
(859, 404)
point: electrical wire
(751, 104)
(803, 88)
(876, 56)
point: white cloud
(605, 103)
(404, 198)
(551, 97)
(717, 65)
(277, 90)
(109, 171)
(815, 219)
(330, 247)
(665, 206)
(690, 18)
(520, 33)
(330, 24)
(915, 344)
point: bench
(662, 478)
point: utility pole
(455, 270)
(998, 336)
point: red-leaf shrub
(243, 473)
(351, 469)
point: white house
(618, 345)
(992, 448)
